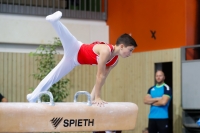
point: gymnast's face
(126, 51)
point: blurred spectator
(145, 130)
(158, 97)
(108, 132)
(2, 98)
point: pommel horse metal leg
(64, 117)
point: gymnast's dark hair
(127, 40)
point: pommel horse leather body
(41, 117)
(70, 116)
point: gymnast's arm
(108, 69)
(149, 100)
(102, 73)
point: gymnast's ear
(129, 34)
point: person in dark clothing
(2, 98)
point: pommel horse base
(70, 116)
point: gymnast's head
(126, 44)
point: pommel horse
(69, 116)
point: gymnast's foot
(54, 17)
(28, 97)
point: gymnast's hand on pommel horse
(105, 56)
(102, 73)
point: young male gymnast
(105, 56)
